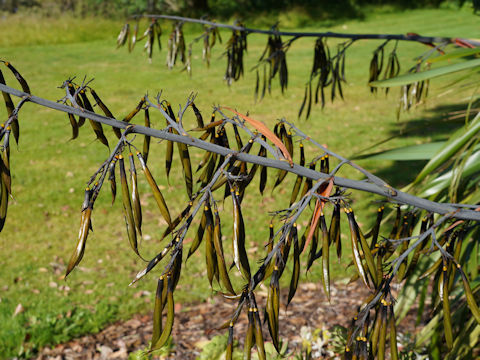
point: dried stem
(327, 34)
(460, 212)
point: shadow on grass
(440, 122)
(401, 173)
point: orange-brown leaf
(263, 129)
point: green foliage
(428, 74)
(162, 353)
(49, 326)
(451, 174)
(214, 349)
(312, 11)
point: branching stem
(326, 34)
(400, 197)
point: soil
(196, 323)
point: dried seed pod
(296, 264)
(286, 138)
(111, 178)
(146, 139)
(167, 329)
(158, 30)
(393, 334)
(176, 45)
(135, 111)
(10, 109)
(133, 41)
(157, 194)
(236, 47)
(18, 76)
(177, 263)
(472, 305)
(5, 174)
(150, 35)
(85, 225)
(106, 111)
(249, 336)
(96, 126)
(229, 350)
(184, 156)
(77, 99)
(222, 267)
(376, 65)
(239, 251)
(272, 308)
(157, 311)
(263, 171)
(357, 259)
(367, 255)
(325, 256)
(312, 255)
(298, 181)
(210, 254)
(122, 37)
(127, 207)
(258, 334)
(74, 125)
(447, 316)
(137, 209)
(334, 230)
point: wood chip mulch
(195, 323)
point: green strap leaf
(425, 75)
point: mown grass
(49, 171)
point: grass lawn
(49, 171)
